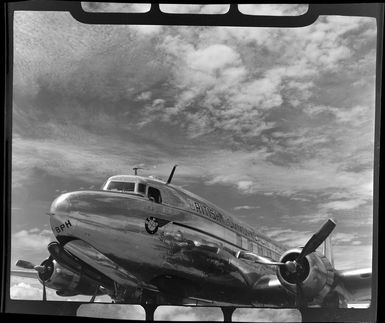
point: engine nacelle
(65, 281)
(316, 275)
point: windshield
(121, 186)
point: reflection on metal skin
(107, 231)
(90, 255)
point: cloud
(31, 239)
(273, 9)
(147, 30)
(289, 237)
(194, 8)
(343, 238)
(250, 172)
(115, 7)
(144, 96)
(178, 313)
(343, 258)
(25, 291)
(31, 289)
(115, 311)
(266, 315)
(212, 58)
(181, 313)
(246, 207)
(343, 205)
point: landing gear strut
(227, 313)
(149, 309)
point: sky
(274, 125)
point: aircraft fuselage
(169, 242)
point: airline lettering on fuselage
(61, 228)
(205, 210)
(215, 215)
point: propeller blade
(40, 269)
(25, 264)
(316, 240)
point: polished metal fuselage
(190, 254)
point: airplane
(141, 240)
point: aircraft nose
(59, 213)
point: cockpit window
(121, 186)
(142, 188)
(154, 195)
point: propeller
(25, 264)
(316, 240)
(39, 268)
(295, 267)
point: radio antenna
(136, 170)
(171, 175)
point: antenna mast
(171, 175)
(136, 170)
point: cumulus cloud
(115, 311)
(31, 239)
(31, 289)
(212, 58)
(194, 8)
(25, 291)
(115, 7)
(273, 9)
(181, 313)
(266, 315)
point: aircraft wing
(355, 285)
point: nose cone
(59, 213)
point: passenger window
(239, 241)
(268, 253)
(244, 243)
(264, 252)
(154, 195)
(250, 245)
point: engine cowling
(316, 274)
(65, 281)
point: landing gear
(123, 295)
(227, 313)
(150, 310)
(92, 300)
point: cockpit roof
(134, 179)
